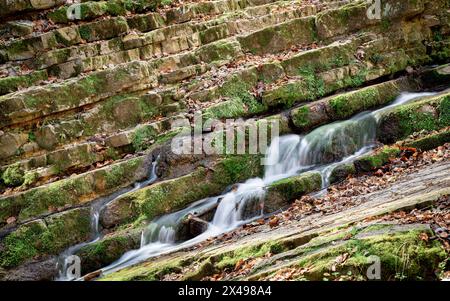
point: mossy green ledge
(107, 250)
(13, 7)
(283, 192)
(354, 16)
(14, 83)
(429, 114)
(175, 194)
(50, 235)
(73, 191)
(91, 10)
(348, 104)
(26, 105)
(279, 37)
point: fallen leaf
(239, 264)
(11, 220)
(274, 221)
(424, 236)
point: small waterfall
(321, 150)
(96, 208)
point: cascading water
(321, 150)
(96, 207)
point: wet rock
(341, 172)
(108, 250)
(34, 270)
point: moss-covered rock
(13, 175)
(48, 236)
(104, 29)
(378, 159)
(429, 114)
(428, 141)
(171, 195)
(402, 256)
(107, 250)
(280, 37)
(14, 83)
(281, 193)
(13, 7)
(72, 191)
(348, 104)
(355, 16)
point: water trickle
(321, 150)
(96, 208)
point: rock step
(320, 250)
(73, 191)
(49, 235)
(160, 39)
(14, 7)
(365, 58)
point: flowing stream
(97, 206)
(321, 150)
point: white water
(96, 208)
(321, 150)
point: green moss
(301, 117)
(229, 260)
(107, 250)
(18, 47)
(348, 104)
(430, 141)
(206, 268)
(21, 244)
(85, 32)
(13, 175)
(39, 238)
(65, 230)
(14, 83)
(59, 15)
(31, 136)
(386, 24)
(71, 191)
(142, 137)
(340, 172)
(372, 161)
(293, 187)
(402, 255)
(238, 168)
(228, 109)
(217, 51)
(314, 83)
(38, 201)
(29, 178)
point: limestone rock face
(94, 105)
